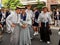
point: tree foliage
(12, 4)
(40, 4)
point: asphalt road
(36, 41)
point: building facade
(51, 4)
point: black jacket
(7, 13)
(55, 16)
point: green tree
(40, 4)
(12, 4)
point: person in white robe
(25, 33)
(31, 14)
(13, 24)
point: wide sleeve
(29, 21)
(8, 19)
(20, 23)
(50, 19)
(33, 15)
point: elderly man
(13, 24)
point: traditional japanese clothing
(14, 18)
(44, 19)
(31, 14)
(25, 33)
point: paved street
(35, 41)
(54, 39)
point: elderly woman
(44, 21)
(25, 33)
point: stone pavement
(36, 41)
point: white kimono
(14, 18)
(25, 33)
(31, 14)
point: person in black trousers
(44, 21)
